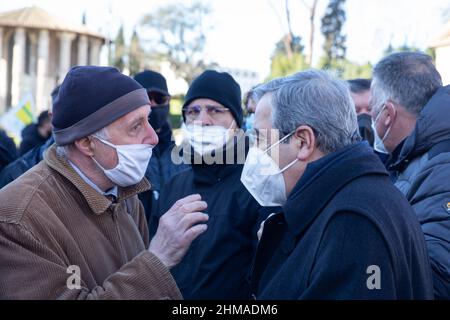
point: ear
(391, 113)
(305, 139)
(85, 146)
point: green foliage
(353, 70)
(403, 48)
(347, 69)
(334, 46)
(175, 119)
(136, 55)
(296, 45)
(282, 66)
(179, 35)
(119, 50)
(288, 57)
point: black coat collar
(212, 173)
(323, 178)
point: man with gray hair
(410, 110)
(345, 231)
(72, 227)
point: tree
(351, 70)
(119, 50)
(136, 55)
(295, 45)
(83, 18)
(403, 48)
(334, 46)
(180, 36)
(312, 28)
(283, 65)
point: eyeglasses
(157, 98)
(215, 112)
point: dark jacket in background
(16, 168)
(31, 138)
(218, 262)
(160, 169)
(421, 167)
(8, 151)
(343, 220)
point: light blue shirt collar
(111, 192)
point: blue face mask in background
(249, 121)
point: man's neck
(88, 167)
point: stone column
(64, 53)
(2, 74)
(42, 67)
(82, 50)
(18, 65)
(95, 51)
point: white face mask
(263, 178)
(132, 164)
(378, 144)
(205, 139)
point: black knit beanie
(152, 81)
(220, 87)
(90, 98)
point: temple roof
(37, 18)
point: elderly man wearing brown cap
(72, 227)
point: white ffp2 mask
(263, 178)
(205, 139)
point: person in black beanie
(218, 262)
(160, 168)
(73, 225)
(36, 134)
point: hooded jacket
(421, 169)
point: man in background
(161, 167)
(410, 110)
(360, 93)
(36, 134)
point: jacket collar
(96, 201)
(323, 178)
(213, 173)
(431, 128)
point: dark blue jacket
(8, 150)
(160, 169)
(31, 138)
(421, 167)
(344, 225)
(22, 164)
(218, 262)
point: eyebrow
(136, 121)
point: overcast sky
(245, 31)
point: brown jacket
(50, 219)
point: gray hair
(64, 151)
(409, 79)
(316, 99)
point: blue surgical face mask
(249, 121)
